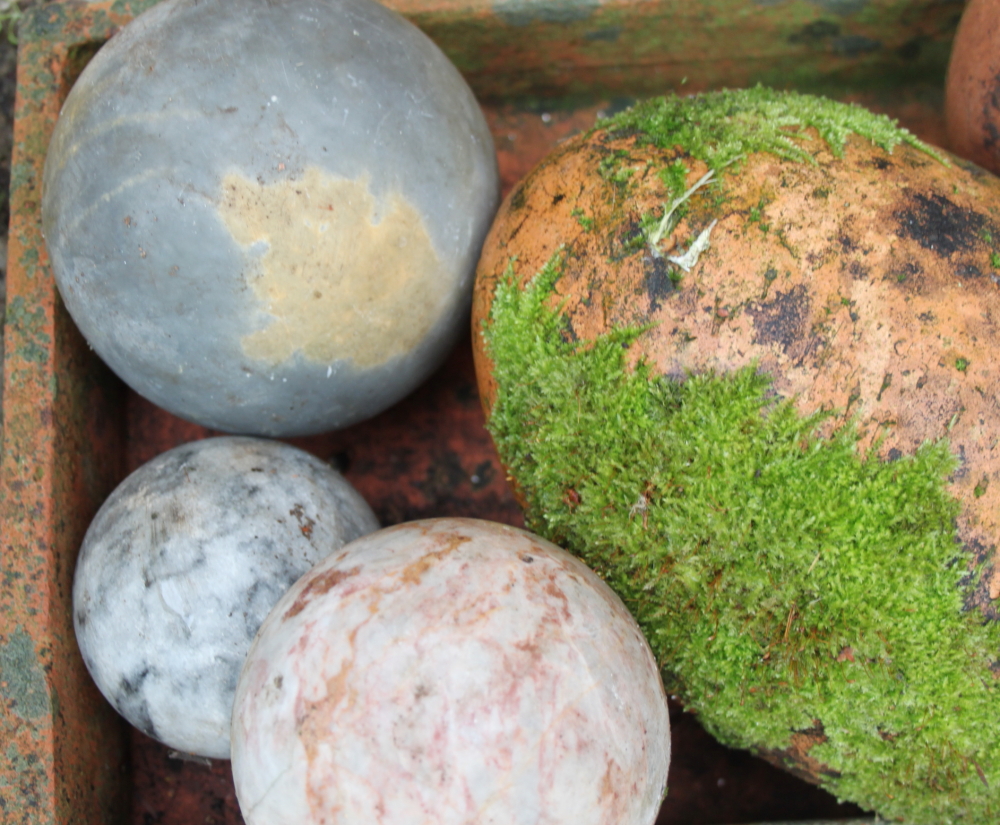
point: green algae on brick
(790, 585)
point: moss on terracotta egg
(758, 451)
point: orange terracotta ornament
(972, 88)
(837, 272)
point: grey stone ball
(265, 215)
(181, 565)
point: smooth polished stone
(181, 565)
(265, 216)
(450, 671)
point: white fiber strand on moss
(665, 227)
(689, 259)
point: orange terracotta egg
(720, 341)
(972, 88)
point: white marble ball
(181, 565)
(450, 671)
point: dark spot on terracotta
(894, 454)
(928, 318)
(886, 383)
(994, 98)
(568, 333)
(808, 350)
(881, 163)
(517, 199)
(657, 281)
(847, 243)
(781, 320)
(938, 224)
(858, 270)
(558, 199)
(908, 276)
(979, 551)
(978, 596)
(992, 134)
(969, 271)
(628, 238)
(963, 469)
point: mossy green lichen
(583, 220)
(719, 128)
(786, 581)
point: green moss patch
(719, 128)
(786, 581)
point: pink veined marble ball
(450, 671)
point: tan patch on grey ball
(344, 277)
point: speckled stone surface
(265, 216)
(450, 671)
(181, 565)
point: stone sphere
(450, 671)
(265, 216)
(972, 104)
(737, 352)
(181, 565)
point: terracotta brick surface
(72, 431)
